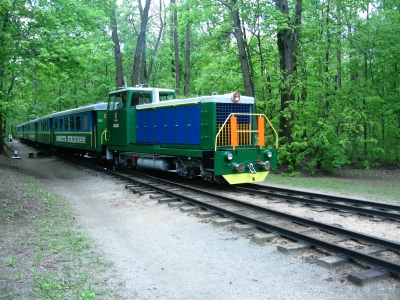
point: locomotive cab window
(166, 96)
(117, 101)
(139, 98)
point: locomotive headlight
(239, 167)
(267, 165)
(267, 153)
(228, 156)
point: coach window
(61, 124)
(78, 123)
(66, 123)
(71, 123)
(85, 122)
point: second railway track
(349, 205)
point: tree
(139, 63)
(117, 50)
(287, 39)
(238, 32)
(174, 37)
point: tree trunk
(327, 55)
(141, 42)
(2, 151)
(117, 51)
(2, 57)
(187, 68)
(338, 52)
(143, 70)
(287, 44)
(241, 43)
(160, 33)
(176, 50)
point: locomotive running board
(245, 177)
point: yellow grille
(224, 138)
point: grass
(43, 254)
(357, 186)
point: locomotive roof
(142, 89)
(226, 98)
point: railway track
(325, 202)
(380, 255)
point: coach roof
(90, 107)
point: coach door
(117, 119)
(51, 131)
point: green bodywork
(123, 129)
(84, 140)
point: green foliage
(345, 107)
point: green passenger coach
(79, 128)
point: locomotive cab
(122, 112)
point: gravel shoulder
(160, 253)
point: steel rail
(258, 187)
(329, 201)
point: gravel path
(161, 253)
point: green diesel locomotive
(219, 137)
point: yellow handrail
(246, 114)
(105, 136)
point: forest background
(325, 71)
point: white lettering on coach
(61, 138)
(71, 139)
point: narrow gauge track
(295, 228)
(336, 203)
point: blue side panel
(169, 135)
(140, 126)
(194, 125)
(149, 127)
(159, 123)
(181, 128)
